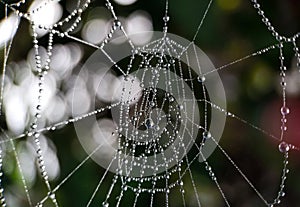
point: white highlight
(139, 21)
(125, 2)
(94, 31)
(46, 13)
(15, 110)
(8, 28)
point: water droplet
(206, 135)
(155, 71)
(166, 18)
(283, 128)
(201, 79)
(117, 23)
(38, 107)
(283, 83)
(152, 103)
(33, 126)
(52, 196)
(282, 194)
(38, 115)
(171, 99)
(284, 120)
(36, 134)
(284, 147)
(172, 61)
(149, 123)
(208, 168)
(125, 188)
(105, 204)
(180, 107)
(284, 110)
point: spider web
(149, 121)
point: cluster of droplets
(77, 13)
(2, 199)
(42, 68)
(297, 52)
(152, 146)
(284, 110)
(201, 79)
(42, 71)
(266, 21)
(283, 147)
(116, 25)
(19, 3)
(280, 38)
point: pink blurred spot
(271, 120)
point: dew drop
(283, 147)
(206, 135)
(33, 126)
(283, 120)
(125, 188)
(172, 61)
(283, 83)
(36, 134)
(38, 107)
(180, 107)
(208, 168)
(201, 79)
(117, 23)
(166, 18)
(284, 110)
(152, 103)
(282, 194)
(105, 204)
(52, 196)
(149, 123)
(283, 128)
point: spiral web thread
(162, 52)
